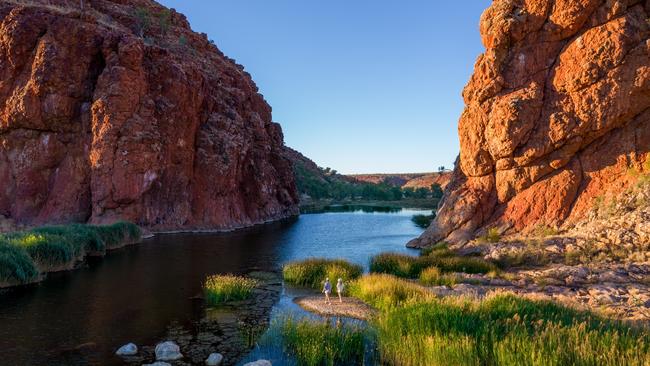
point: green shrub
(423, 221)
(440, 249)
(492, 236)
(316, 344)
(312, 272)
(432, 276)
(384, 291)
(506, 330)
(219, 289)
(16, 266)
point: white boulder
(129, 349)
(214, 359)
(168, 351)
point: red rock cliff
(119, 111)
(557, 114)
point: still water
(136, 294)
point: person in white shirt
(339, 289)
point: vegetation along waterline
(501, 329)
(26, 256)
(424, 221)
(406, 266)
(414, 327)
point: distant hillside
(427, 180)
(317, 183)
(406, 180)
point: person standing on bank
(339, 289)
(327, 289)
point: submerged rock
(214, 359)
(259, 363)
(129, 349)
(157, 364)
(168, 351)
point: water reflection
(140, 293)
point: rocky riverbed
(231, 330)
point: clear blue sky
(358, 85)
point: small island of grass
(219, 289)
(312, 272)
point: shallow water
(139, 293)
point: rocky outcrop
(557, 115)
(426, 181)
(113, 109)
(406, 180)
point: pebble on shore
(259, 363)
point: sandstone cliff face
(120, 111)
(557, 114)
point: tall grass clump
(463, 264)
(316, 344)
(46, 250)
(118, 233)
(312, 272)
(432, 276)
(505, 329)
(440, 249)
(219, 289)
(397, 264)
(492, 236)
(406, 266)
(384, 291)
(81, 236)
(16, 267)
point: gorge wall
(557, 116)
(117, 110)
